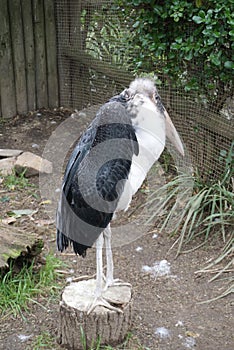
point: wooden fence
(45, 62)
(28, 59)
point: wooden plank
(16, 244)
(29, 53)
(79, 73)
(40, 54)
(51, 53)
(62, 28)
(18, 55)
(7, 88)
(115, 73)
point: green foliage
(18, 290)
(189, 41)
(105, 36)
(209, 210)
(43, 341)
(130, 342)
(207, 213)
(16, 181)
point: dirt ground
(167, 309)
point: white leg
(110, 281)
(109, 257)
(99, 245)
(98, 299)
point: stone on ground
(34, 164)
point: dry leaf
(47, 201)
(44, 222)
(9, 220)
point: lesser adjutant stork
(107, 167)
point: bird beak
(172, 134)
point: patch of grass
(130, 343)
(16, 181)
(17, 291)
(43, 341)
(207, 213)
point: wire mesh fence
(96, 62)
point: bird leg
(109, 258)
(110, 281)
(99, 300)
(99, 245)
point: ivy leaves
(193, 39)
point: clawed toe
(101, 301)
(114, 283)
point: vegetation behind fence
(77, 53)
(99, 54)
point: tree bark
(17, 245)
(79, 330)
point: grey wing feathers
(78, 221)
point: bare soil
(171, 301)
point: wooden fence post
(51, 53)
(29, 53)
(18, 55)
(7, 87)
(40, 54)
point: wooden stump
(108, 326)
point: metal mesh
(95, 63)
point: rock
(7, 165)
(5, 153)
(33, 163)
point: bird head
(142, 89)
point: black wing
(95, 177)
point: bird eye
(125, 95)
(157, 97)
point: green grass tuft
(207, 213)
(43, 341)
(16, 181)
(17, 291)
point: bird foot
(101, 301)
(114, 283)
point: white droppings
(160, 268)
(57, 190)
(162, 332)
(147, 268)
(35, 145)
(69, 279)
(179, 324)
(82, 114)
(23, 337)
(189, 342)
(139, 249)
(155, 235)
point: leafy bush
(189, 41)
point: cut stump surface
(108, 326)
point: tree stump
(77, 329)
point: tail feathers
(63, 242)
